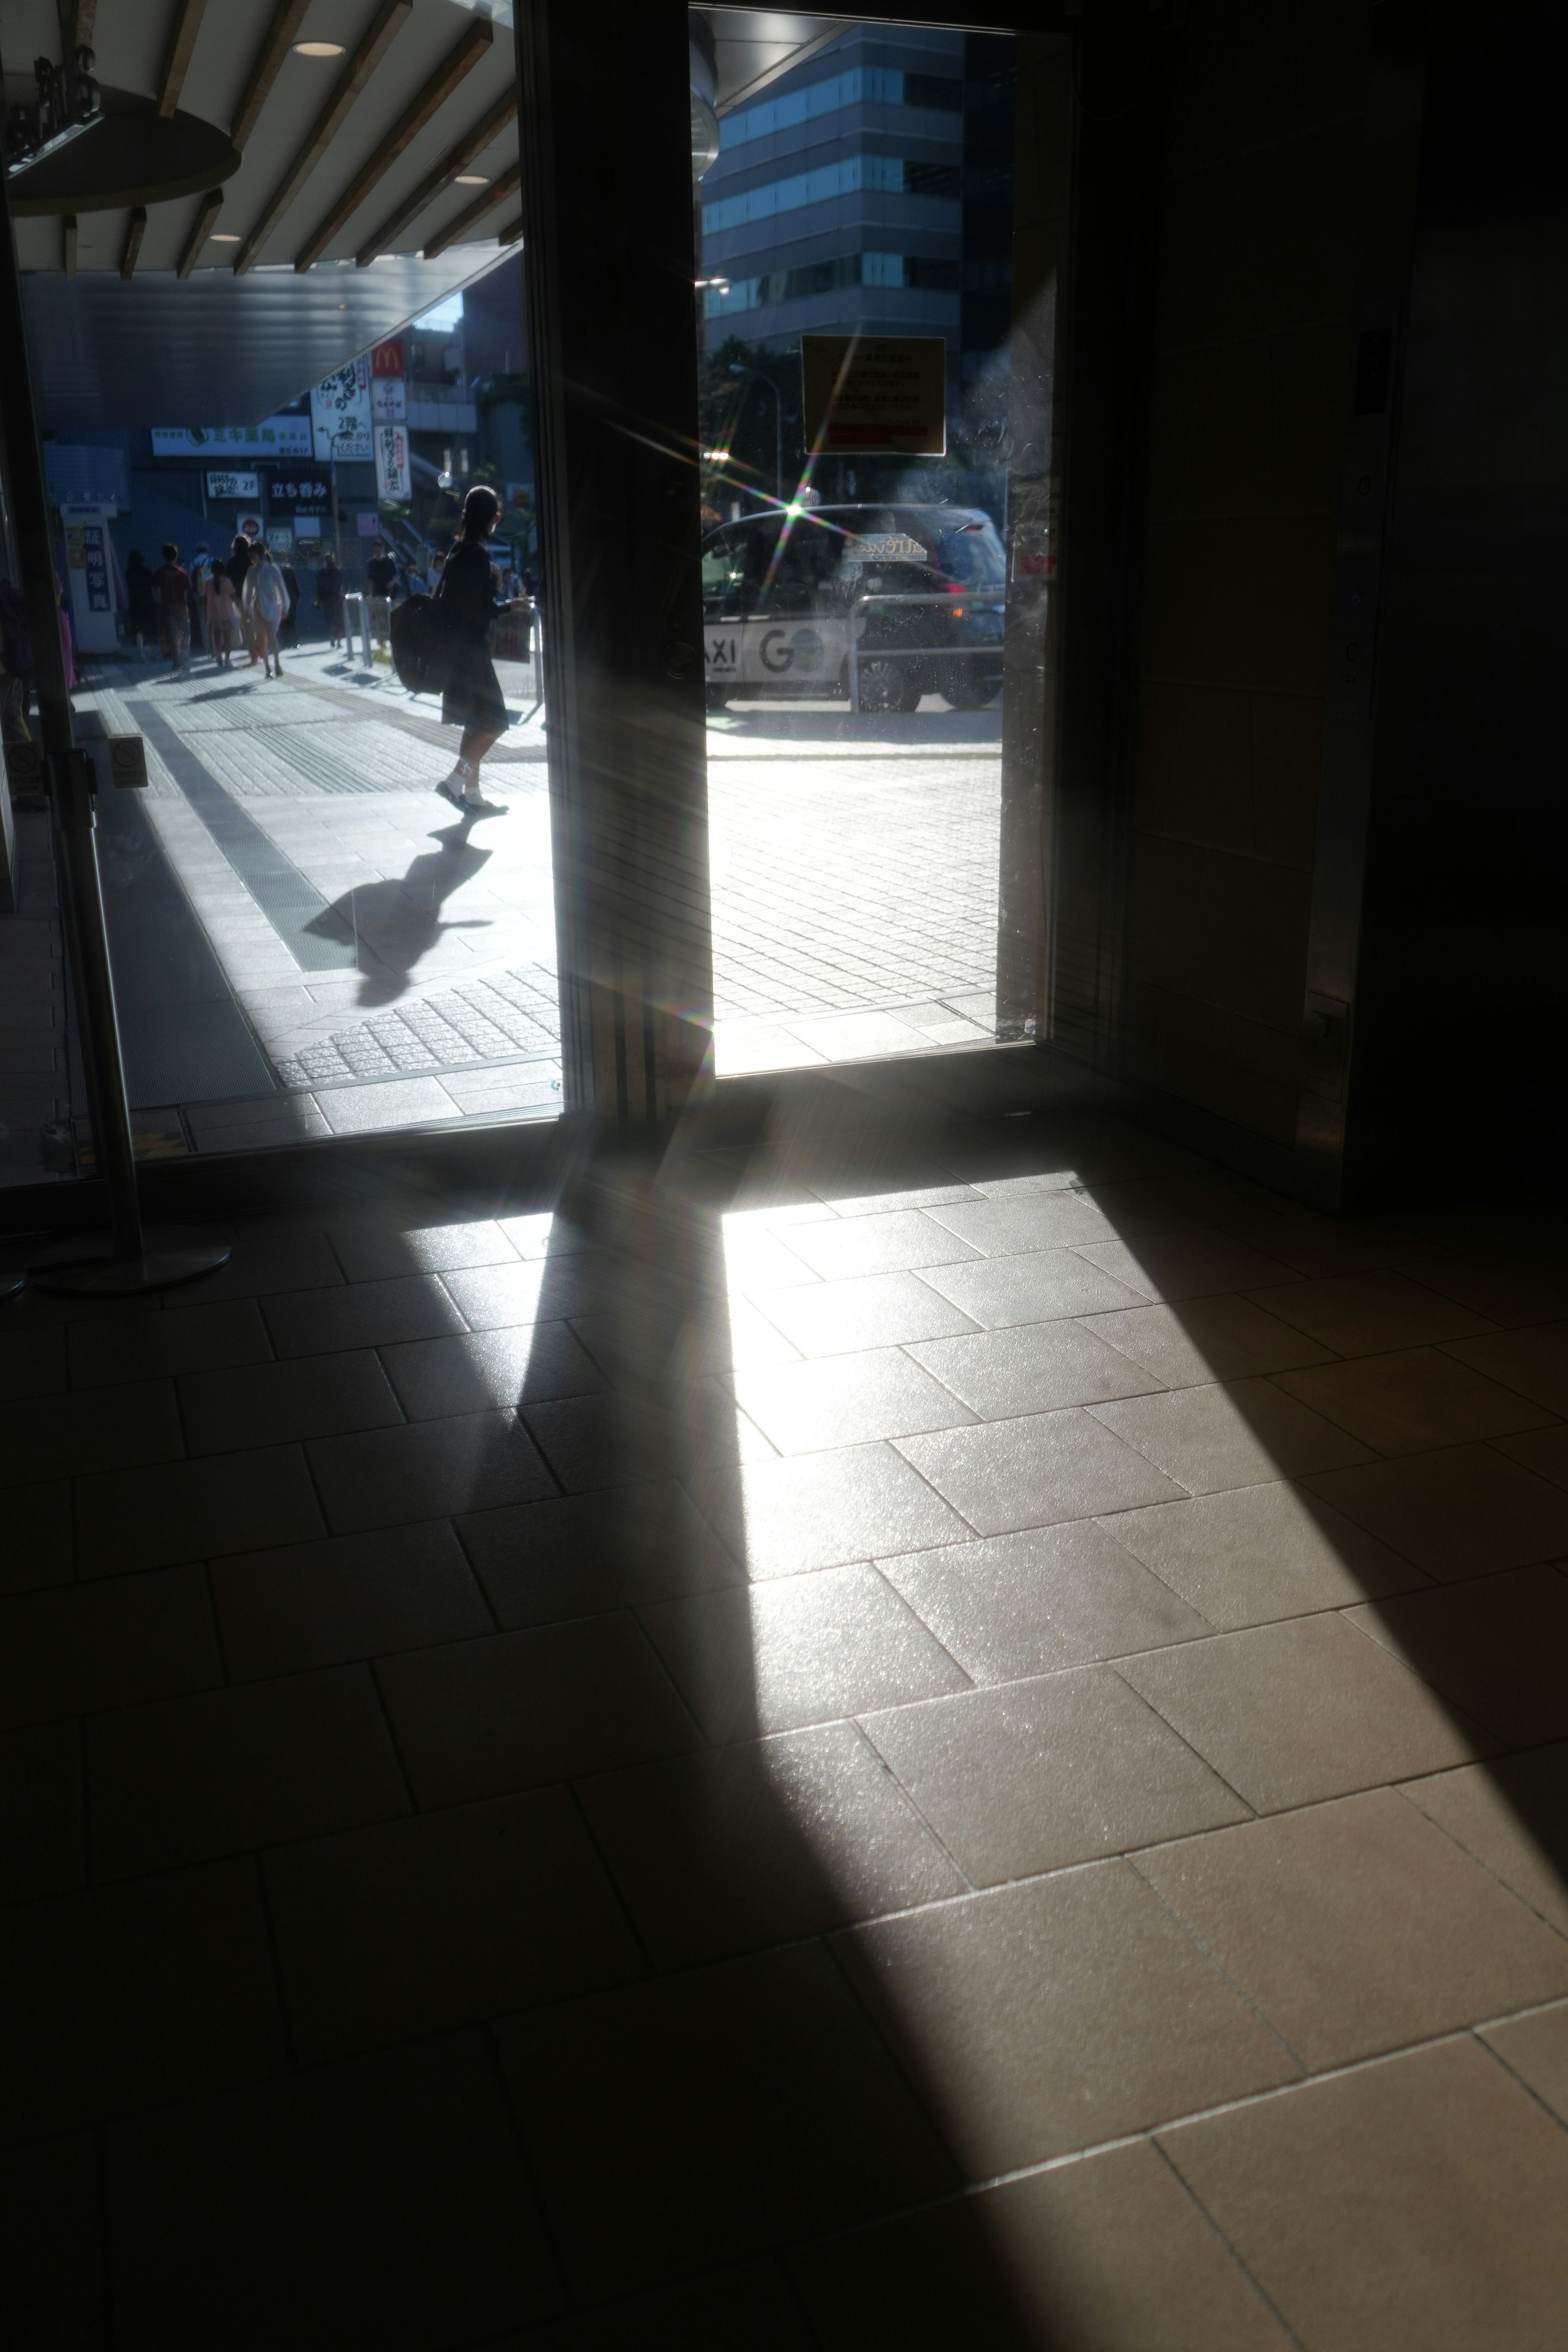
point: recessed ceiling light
(473, 179)
(225, 236)
(318, 48)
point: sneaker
(450, 789)
(479, 806)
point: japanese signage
(339, 414)
(250, 525)
(388, 400)
(393, 473)
(300, 490)
(88, 562)
(874, 395)
(279, 437)
(233, 486)
(280, 538)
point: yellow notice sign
(874, 395)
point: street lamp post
(736, 369)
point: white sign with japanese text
(277, 437)
(393, 473)
(340, 414)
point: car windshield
(972, 554)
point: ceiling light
(318, 48)
(225, 236)
(473, 179)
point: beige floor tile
(1184, 1266)
(1368, 1314)
(1034, 1221)
(1057, 2014)
(1415, 2205)
(1536, 2050)
(1288, 1714)
(1040, 1774)
(1534, 1362)
(1357, 1926)
(1404, 1403)
(1495, 1646)
(1036, 1471)
(1545, 1450)
(1224, 1339)
(1102, 2253)
(847, 1400)
(1505, 1288)
(1238, 1434)
(1256, 1553)
(874, 1310)
(1465, 1510)
(1044, 1598)
(815, 1510)
(1511, 1814)
(1034, 1368)
(895, 1241)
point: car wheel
(719, 698)
(971, 689)
(888, 686)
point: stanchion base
(87, 1268)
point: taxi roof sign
(874, 395)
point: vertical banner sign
(388, 396)
(87, 567)
(340, 414)
(393, 473)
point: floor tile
(896, 1241)
(1290, 1714)
(1367, 1314)
(817, 1510)
(360, 1315)
(414, 1926)
(54, 2291)
(1505, 1288)
(120, 1996)
(749, 2308)
(428, 1470)
(483, 1718)
(876, 1310)
(1192, 1265)
(1536, 2050)
(1204, 1340)
(1049, 1597)
(195, 1510)
(473, 1372)
(1356, 1928)
(1238, 1434)
(1251, 1554)
(384, 2200)
(266, 1265)
(763, 1842)
(33, 1362)
(1534, 1362)
(1465, 1510)
(39, 1546)
(61, 1436)
(798, 1650)
(1032, 1289)
(1513, 1815)
(345, 1597)
(1543, 1450)
(1031, 1778)
(1030, 1221)
(1101, 2252)
(1032, 1367)
(1404, 1403)
(1436, 2181)
(577, 1281)
(371, 1253)
(71, 1649)
(578, 1554)
(1051, 2016)
(613, 1439)
(847, 1400)
(1495, 1645)
(266, 1405)
(710, 2115)
(42, 1826)
(219, 1772)
(1035, 1470)
(1199, 1195)
(119, 1347)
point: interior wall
(1249, 397)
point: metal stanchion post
(127, 1258)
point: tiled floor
(959, 1744)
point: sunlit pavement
(395, 960)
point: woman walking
(329, 599)
(223, 621)
(238, 570)
(266, 601)
(141, 603)
(473, 697)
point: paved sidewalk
(394, 960)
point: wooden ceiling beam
(510, 235)
(435, 183)
(201, 229)
(188, 18)
(136, 231)
(459, 61)
(384, 26)
(496, 193)
(277, 42)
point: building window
(864, 85)
(887, 173)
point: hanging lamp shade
(130, 154)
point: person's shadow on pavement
(396, 923)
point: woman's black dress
(473, 696)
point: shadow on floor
(400, 919)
